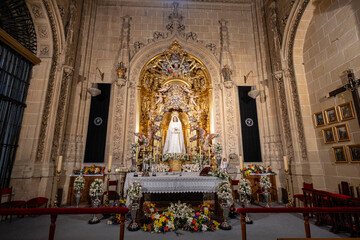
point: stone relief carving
(44, 51)
(175, 26)
(37, 10)
(50, 88)
(42, 32)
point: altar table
(174, 183)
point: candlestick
(241, 163)
(59, 164)
(137, 153)
(110, 163)
(286, 166)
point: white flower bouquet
(265, 182)
(224, 191)
(162, 168)
(191, 167)
(221, 173)
(133, 148)
(245, 187)
(96, 188)
(181, 211)
(218, 148)
(79, 183)
(169, 156)
(135, 191)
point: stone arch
(146, 53)
(35, 132)
(293, 75)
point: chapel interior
(100, 83)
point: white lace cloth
(174, 183)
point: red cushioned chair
(37, 202)
(113, 194)
(234, 191)
(8, 203)
(301, 197)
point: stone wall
(331, 46)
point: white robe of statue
(174, 139)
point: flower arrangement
(232, 213)
(198, 158)
(179, 216)
(265, 182)
(151, 209)
(133, 148)
(191, 167)
(135, 191)
(205, 209)
(96, 188)
(115, 218)
(200, 223)
(92, 170)
(170, 156)
(218, 148)
(245, 187)
(256, 169)
(224, 191)
(221, 173)
(160, 223)
(162, 168)
(79, 183)
(180, 211)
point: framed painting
(339, 154)
(354, 153)
(329, 136)
(319, 119)
(346, 111)
(342, 133)
(331, 115)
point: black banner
(249, 126)
(97, 128)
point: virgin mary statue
(174, 139)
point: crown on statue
(175, 114)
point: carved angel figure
(143, 139)
(160, 99)
(206, 138)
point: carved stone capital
(278, 75)
(228, 84)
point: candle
(286, 166)
(137, 153)
(110, 163)
(241, 163)
(59, 163)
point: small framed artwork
(346, 111)
(319, 119)
(354, 152)
(331, 115)
(342, 133)
(329, 136)
(339, 154)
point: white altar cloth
(174, 183)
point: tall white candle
(241, 163)
(59, 163)
(286, 166)
(110, 163)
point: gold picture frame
(342, 133)
(354, 153)
(329, 135)
(319, 119)
(346, 111)
(331, 115)
(339, 153)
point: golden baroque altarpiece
(175, 83)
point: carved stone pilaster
(61, 111)
(50, 88)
